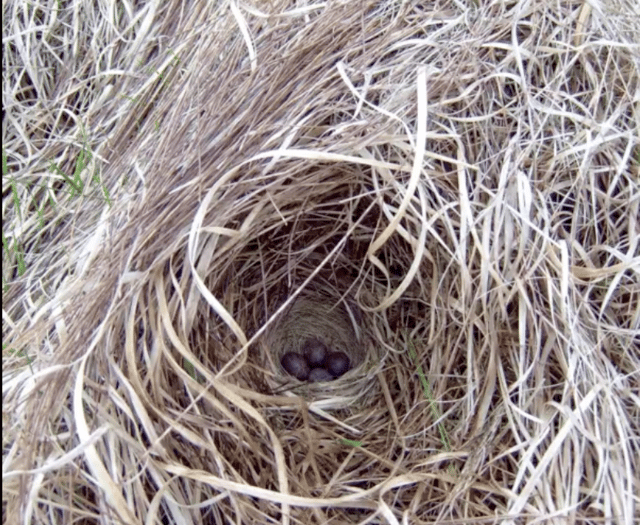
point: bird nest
(442, 190)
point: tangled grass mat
(447, 191)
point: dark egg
(337, 363)
(315, 351)
(296, 365)
(319, 374)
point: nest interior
(448, 192)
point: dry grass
(460, 177)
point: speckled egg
(318, 375)
(296, 365)
(315, 352)
(338, 363)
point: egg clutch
(315, 363)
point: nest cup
(318, 316)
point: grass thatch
(459, 177)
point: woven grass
(449, 191)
